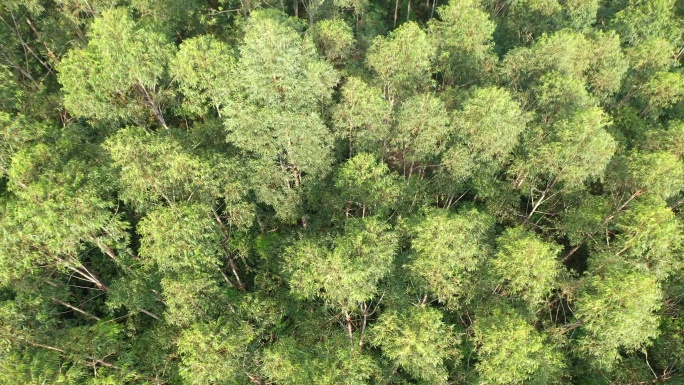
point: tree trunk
(74, 308)
(605, 222)
(231, 263)
(156, 110)
(364, 312)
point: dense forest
(341, 192)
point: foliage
(448, 250)
(203, 68)
(510, 351)
(403, 60)
(417, 340)
(346, 274)
(341, 192)
(617, 311)
(526, 265)
(117, 76)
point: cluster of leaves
(341, 192)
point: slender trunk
(571, 252)
(408, 11)
(310, 14)
(26, 47)
(605, 222)
(679, 54)
(95, 361)
(396, 12)
(148, 313)
(156, 111)
(74, 308)
(231, 262)
(237, 277)
(46, 347)
(364, 312)
(349, 327)
(255, 379)
(82, 273)
(228, 281)
(541, 199)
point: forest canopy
(341, 192)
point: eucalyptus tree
(526, 266)
(465, 46)
(274, 115)
(420, 135)
(363, 117)
(511, 351)
(345, 272)
(154, 168)
(334, 39)
(120, 75)
(221, 193)
(617, 310)
(448, 251)
(402, 61)
(203, 68)
(417, 340)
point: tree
(490, 124)
(346, 274)
(598, 61)
(367, 187)
(523, 22)
(659, 173)
(448, 250)
(101, 83)
(559, 96)
(194, 296)
(616, 311)
(421, 132)
(463, 36)
(402, 61)
(334, 40)
(274, 117)
(580, 14)
(58, 210)
(154, 168)
(180, 238)
(639, 21)
(580, 148)
(328, 362)
(661, 91)
(363, 117)
(526, 265)
(510, 351)
(212, 353)
(650, 236)
(203, 67)
(417, 340)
